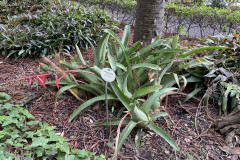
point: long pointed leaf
(7, 38)
(176, 79)
(133, 48)
(113, 122)
(123, 99)
(80, 55)
(116, 38)
(125, 36)
(130, 79)
(63, 89)
(201, 49)
(190, 95)
(127, 130)
(157, 115)
(146, 65)
(143, 91)
(150, 46)
(184, 82)
(175, 42)
(119, 65)
(162, 52)
(112, 59)
(92, 46)
(86, 76)
(125, 87)
(101, 50)
(147, 105)
(114, 48)
(166, 137)
(88, 103)
(3, 27)
(163, 72)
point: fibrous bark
(149, 20)
(229, 125)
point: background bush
(42, 27)
(192, 17)
(123, 9)
(209, 20)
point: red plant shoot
(41, 77)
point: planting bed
(188, 124)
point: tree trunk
(229, 125)
(149, 20)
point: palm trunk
(149, 20)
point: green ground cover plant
(24, 137)
(45, 27)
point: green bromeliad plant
(136, 76)
(132, 81)
(141, 73)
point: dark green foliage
(218, 71)
(44, 27)
(230, 56)
(205, 17)
(23, 137)
(218, 3)
(123, 9)
(4, 97)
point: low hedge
(179, 15)
(219, 20)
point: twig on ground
(175, 127)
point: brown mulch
(188, 124)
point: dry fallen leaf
(151, 74)
(187, 140)
(167, 151)
(230, 150)
(96, 108)
(62, 134)
(128, 145)
(81, 66)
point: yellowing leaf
(200, 59)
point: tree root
(229, 125)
